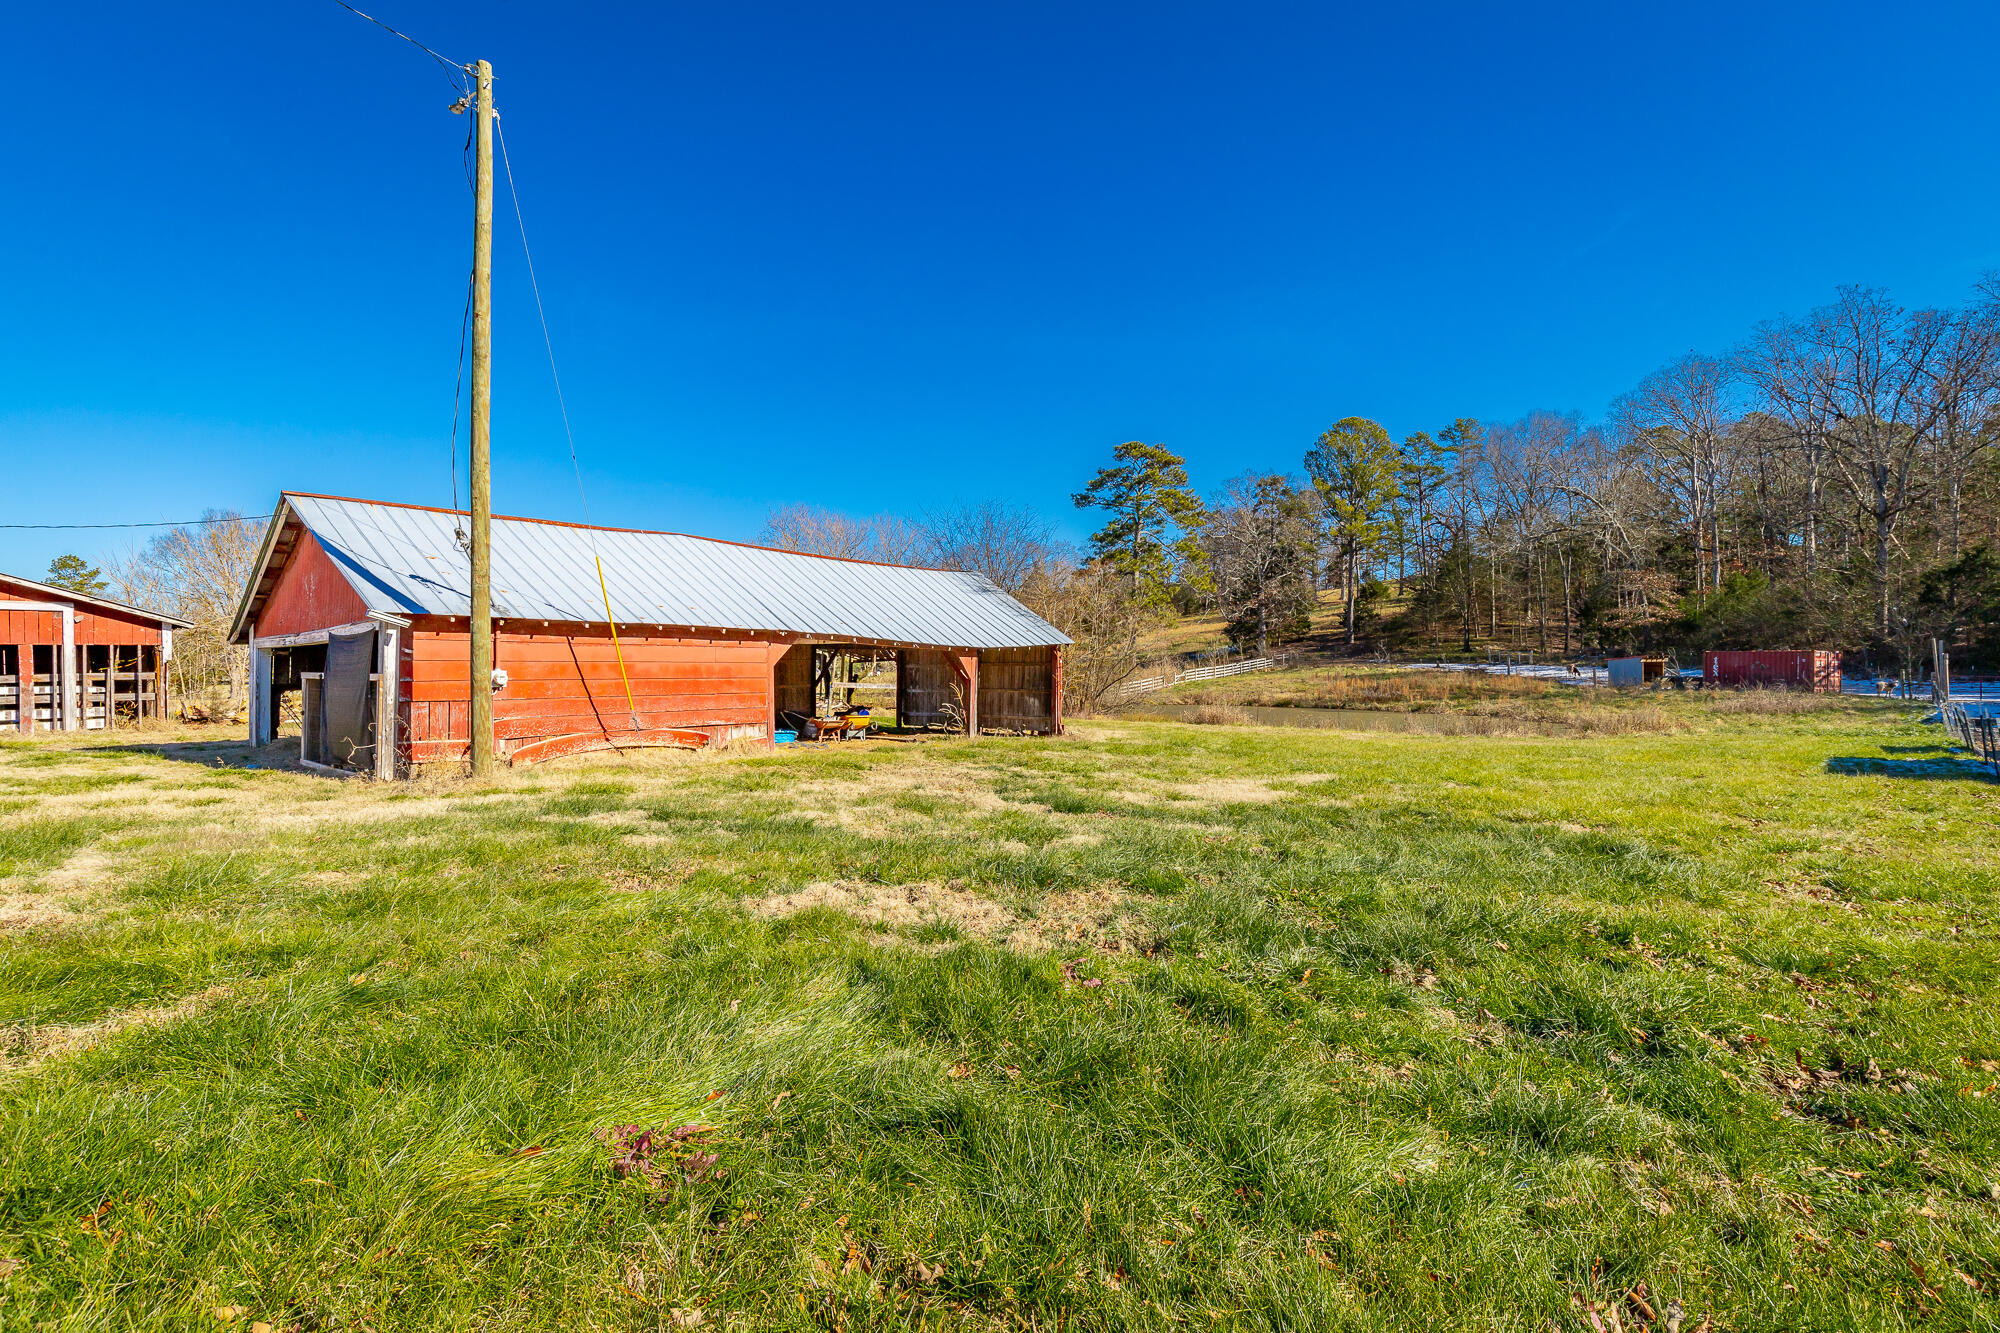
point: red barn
(1808, 669)
(71, 662)
(363, 607)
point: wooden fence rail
(1132, 689)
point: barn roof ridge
(61, 593)
(602, 527)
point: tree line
(1832, 482)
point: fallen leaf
(8, 1266)
(533, 1150)
(259, 1326)
(1501, 947)
(688, 1318)
(779, 1100)
(961, 1070)
(228, 1314)
(358, 978)
(711, 1097)
(1307, 977)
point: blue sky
(890, 257)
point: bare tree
(200, 573)
(1261, 539)
(1008, 545)
(1680, 417)
(818, 531)
(1880, 382)
(1094, 606)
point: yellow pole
(617, 651)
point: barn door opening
(824, 689)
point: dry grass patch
(1092, 917)
(1247, 791)
(35, 911)
(26, 1045)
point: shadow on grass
(281, 754)
(1940, 767)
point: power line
(602, 586)
(458, 388)
(182, 523)
(453, 69)
(520, 222)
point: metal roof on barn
(405, 560)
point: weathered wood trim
(388, 700)
(261, 729)
(305, 638)
(557, 746)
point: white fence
(1132, 689)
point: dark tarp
(347, 700)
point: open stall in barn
(70, 661)
(362, 608)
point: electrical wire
(164, 523)
(453, 69)
(458, 392)
(603, 587)
(455, 73)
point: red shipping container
(1811, 669)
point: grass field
(1152, 1027)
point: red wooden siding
(1017, 689)
(793, 681)
(924, 687)
(31, 626)
(311, 594)
(568, 684)
(93, 624)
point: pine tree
(1150, 537)
(1355, 465)
(76, 574)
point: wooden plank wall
(32, 626)
(792, 679)
(310, 594)
(563, 684)
(924, 678)
(1017, 689)
(115, 682)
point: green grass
(1281, 1029)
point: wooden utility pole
(482, 422)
